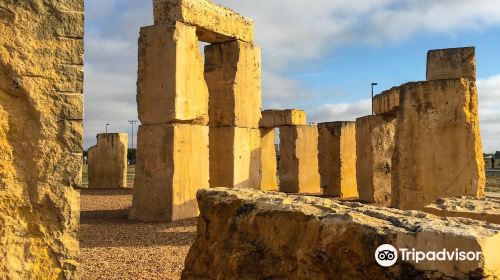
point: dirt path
(114, 248)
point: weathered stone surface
(233, 75)
(451, 64)
(108, 161)
(438, 145)
(172, 164)
(235, 157)
(298, 171)
(268, 161)
(337, 158)
(482, 209)
(248, 234)
(214, 23)
(41, 112)
(387, 102)
(375, 140)
(171, 87)
(275, 118)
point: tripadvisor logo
(387, 255)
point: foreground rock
(41, 137)
(482, 209)
(247, 234)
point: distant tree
(497, 154)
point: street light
(373, 84)
(132, 122)
(107, 128)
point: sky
(317, 55)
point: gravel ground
(114, 248)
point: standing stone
(337, 158)
(438, 145)
(451, 64)
(215, 23)
(275, 118)
(299, 160)
(375, 141)
(235, 157)
(41, 142)
(233, 75)
(172, 164)
(171, 87)
(108, 161)
(268, 161)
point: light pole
(107, 128)
(373, 85)
(132, 122)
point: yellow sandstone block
(171, 87)
(337, 158)
(438, 144)
(214, 23)
(108, 161)
(276, 118)
(172, 165)
(298, 170)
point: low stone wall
(248, 234)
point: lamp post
(373, 85)
(107, 128)
(132, 122)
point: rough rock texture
(247, 234)
(172, 164)
(41, 112)
(438, 145)
(387, 102)
(108, 161)
(375, 140)
(171, 87)
(298, 170)
(337, 158)
(451, 64)
(482, 209)
(235, 157)
(233, 75)
(214, 23)
(275, 118)
(268, 161)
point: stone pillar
(438, 144)
(108, 161)
(173, 103)
(233, 75)
(235, 157)
(41, 137)
(337, 158)
(268, 160)
(172, 165)
(299, 160)
(451, 64)
(172, 100)
(375, 141)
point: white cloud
(489, 112)
(340, 111)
